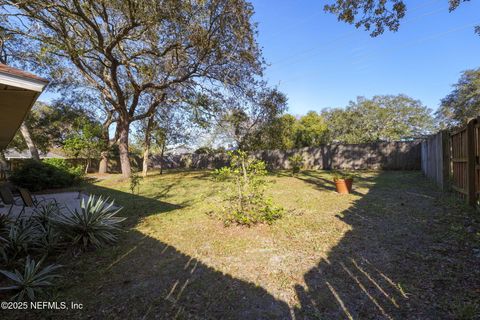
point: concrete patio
(68, 201)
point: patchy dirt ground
(396, 248)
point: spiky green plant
(45, 212)
(32, 281)
(44, 215)
(22, 237)
(94, 224)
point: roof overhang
(18, 92)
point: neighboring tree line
(261, 124)
(382, 118)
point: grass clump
(245, 201)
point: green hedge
(48, 174)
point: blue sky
(320, 62)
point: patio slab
(68, 201)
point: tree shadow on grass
(398, 261)
(144, 278)
(395, 262)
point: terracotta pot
(344, 186)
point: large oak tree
(137, 53)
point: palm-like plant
(32, 281)
(94, 224)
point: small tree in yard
(245, 200)
(296, 162)
(86, 142)
(135, 181)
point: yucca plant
(32, 281)
(45, 212)
(50, 238)
(94, 224)
(22, 237)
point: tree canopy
(376, 15)
(463, 103)
(134, 54)
(50, 125)
(310, 130)
(382, 118)
(244, 117)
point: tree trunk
(161, 157)
(3, 166)
(30, 144)
(146, 146)
(87, 165)
(123, 128)
(3, 161)
(103, 165)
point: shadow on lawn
(397, 262)
(383, 268)
(149, 279)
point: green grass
(396, 247)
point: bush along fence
(451, 159)
(381, 155)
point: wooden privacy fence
(436, 158)
(451, 160)
(403, 155)
(465, 161)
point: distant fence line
(379, 155)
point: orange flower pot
(344, 186)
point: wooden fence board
(465, 151)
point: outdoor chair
(30, 200)
(9, 200)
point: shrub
(296, 162)
(36, 176)
(32, 281)
(244, 195)
(77, 171)
(94, 224)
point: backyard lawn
(395, 248)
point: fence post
(471, 192)
(446, 160)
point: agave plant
(33, 280)
(94, 224)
